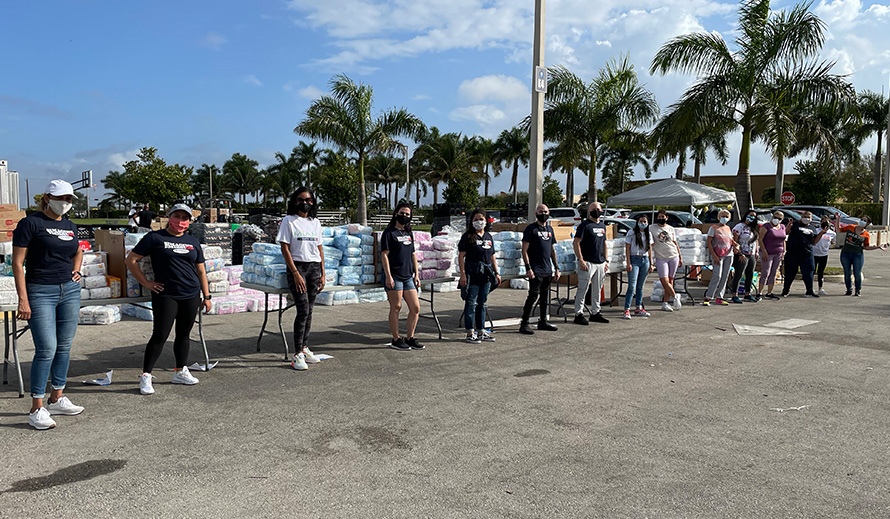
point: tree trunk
(515, 180)
(780, 180)
(591, 180)
(486, 181)
(876, 198)
(743, 177)
(679, 173)
(696, 170)
(361, 208)
(417, 194)
(570, 187)
(435, 193)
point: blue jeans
(399, 284)
(54, 313)
(852, 261)
(475, 306)
(636, 280)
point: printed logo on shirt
(62, 234)
(598, 231)
(544, 235)
(179, 248)
(485, 244)
(663, 237)
(404, 239)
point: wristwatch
(208, 297)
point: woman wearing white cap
(180, 280)
(49, 297)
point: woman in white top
(300, 237)
(667, 259)
(638, 252)
(746, 234)
(820, 252)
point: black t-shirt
(593, 241)
(146, 217)
(173, 259)
(399, 248)
(477, 248)
(540, 247)
(51, 244)
(800, 239)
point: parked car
(622, 225)
(616, 212)
(675, 218)
(763, 215)
(568, 215)
(820, 211)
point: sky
(86, 84)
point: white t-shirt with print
(746, 245)
(664, 242)
(636, 250)
(821, 247)
(303, 235)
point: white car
(567, 215)
(616, 212)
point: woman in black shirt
(401, 276)
(478, 275)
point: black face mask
(403, 219)
(303, 207)
(825, 225)
(595, 213)
(661, 221)
(542, 217)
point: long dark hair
(754, 226)
(392, 221)
(471, 231)
(292, 202)
(638, 234)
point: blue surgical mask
(724, 219)
(750, 218)
(643, 225)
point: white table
(12, 332)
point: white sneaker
(299, 362)
(822, 292)
(41, 420)
(63, 406)
(310, 357)
(667, 307)
(184, 377)
(485, 336)
(145, 386)
(677, 304)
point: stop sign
(787, 198)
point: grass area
(834, 271)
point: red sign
(787, 198)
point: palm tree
(625, 149)
(512, 148)
(874, 108)
(240, 174)
(592, 112)
(201, 180)
(344, 119)
(444, 158)
(307, 155)
(772, 50)
(388, 171)
(566, 156)
(484, 154)
(115, 182)
(672, 139)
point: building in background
(9, 186)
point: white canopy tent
(672, 192)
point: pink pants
(769, 267)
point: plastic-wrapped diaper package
(134, 289)
(368, 279)
(114, 283)
(266, 248)
(86, 316)
(352, 252)
(443, 264)
(338, 231)
(367, 249)
(519, 284)
(94, 281)
(328, 241)
(331, 264)
(351, 261)
(132, 239)
(440, 243)
(367, 239)
(369, 270)
(234, 273)
(340, 297)
(84, 294)
(90, 258)
(7, 282)
(327, 232)
(331, 276)
(212, 265)
(350, 275)
(332, 253)
(274, 270)
(267, 259)
(507, 236)
(424, 246)
(428, 274)
(371, 295)
(355, 228)
(95, 269)
(420, 254)
(9, 297)
(219, 275)
(102, 315)
(219, 287)
(451, 286)
(100, 293)
(212, 252)
(346, 241)
(422, 236)
(138, 311)
(427, 264)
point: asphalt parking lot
(677, 415)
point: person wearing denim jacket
(478, 275)
(49, 297)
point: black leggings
(167, 310)
(304, 302)
(538, 290)
(821, 263)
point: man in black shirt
(145, 217)
(802, 236)
(537, 253)
(592, 253)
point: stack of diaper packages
(357, 263)
(95, 282)
(693, 246)
(565, 256)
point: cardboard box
(112, 242)
(162, 224)
(9, 207)
(5, 236)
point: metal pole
(407, 176)
(886, 209)
(28, 200)
(536, 144)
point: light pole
(536, 144)
(407, 175)
(886, 208)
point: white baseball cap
(59, 187)
(180, 207)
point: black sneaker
(598, 318)
(547, 327)
(849, 293)
(784, 294)
(399, 344)
(771, 297)
(857, 294)
(414, 345)
(580, 319)
(525, 330)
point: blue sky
(85, 84)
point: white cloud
(879, 11)
(421, 97)
(499, 87)
(485, 115)
(213, 40)
(310, 92)
(250, 79)
(119, 159)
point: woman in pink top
(721, 246)
(772, 248)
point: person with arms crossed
(49, 297)
(745, 234)
(176, 292)
(300, 238)
(539, 256)
(592, 251)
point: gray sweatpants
(593, 279)
(719, 277)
